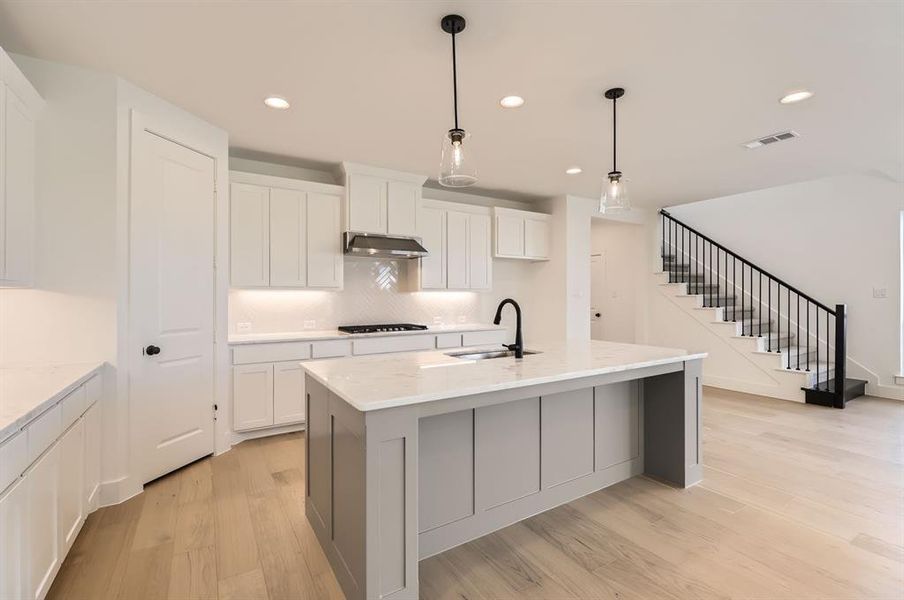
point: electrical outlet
(243, 327)
(437, 320)
(462, 319)
(310, 324)
(880, 292)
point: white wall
(836, 239)
(69, 314)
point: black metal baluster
(718, 281)
(828, 352)
(789, 328)
(742, 298)
(734, 278)
(662, 231)
(778, 317)
(817, 347)
(808, 335)
(760, 307)
(769, 343)
(798, 331)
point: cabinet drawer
(331, 348)
(481, 338)
(448, 340)
(72, 407)
(13, 459)
(261, 353)
(94, 389)
(380, 345)
(43, 431)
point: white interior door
(597, 293)
(171, 374)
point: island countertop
(386, 381)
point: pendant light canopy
(614, 197)
(456, 167)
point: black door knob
(598, 315)
(152, 350)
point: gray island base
(422, 464)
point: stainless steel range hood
(382, 246)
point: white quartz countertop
(387, 381)
(25, 392)
(335, 334)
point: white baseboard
(241, 436)
(119, 490)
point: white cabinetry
(381, 201)
(14, 543)
(458, 238)
(50, 486)
(284, 233)
(521, 234)
(71, 507)
(252, 393)
(288, 392)
(19, 108)
(43, 525)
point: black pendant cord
(454, 82)
(614, 133)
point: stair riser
(715, 302)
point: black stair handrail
(688, 266)
(748, 263)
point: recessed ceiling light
(796, 97)
(511, 102)
(276, 102)
(573, 170)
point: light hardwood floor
(797, 502)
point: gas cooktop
(381, 328)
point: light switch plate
(437, 320)
(243, 327)
(310, 324)
(880, 292)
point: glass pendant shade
(457, 164)
(614, 198)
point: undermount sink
(485, 354)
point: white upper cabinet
(285, 233)
(458, 238)
(432, 231)
(249, 216)
(380, 200)
(521, 234)
(19, 108)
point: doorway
(616, 271)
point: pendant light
(456, 167)
(614, 197)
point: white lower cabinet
(252, 396)
(71, 506)
(43, 530)
(92, 458)
(44, 507)
(14, 582)
(288, 393)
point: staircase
(806, 337)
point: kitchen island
(412, 454)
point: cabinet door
(249, 235)
(288, 238)
(252, 396)
(18, 199)
(457, 250)
(70, 506)
(480, 255)
(14, 542)
(536, 238)
(431, 229)
(42, 482)
(92, 458)
(324, 241)
(288, 392)
(509, 235)
(366, 204)
(402, 204)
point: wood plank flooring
(797, 502)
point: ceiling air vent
(771, 139)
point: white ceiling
(370, 82)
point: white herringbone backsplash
(372, 295)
